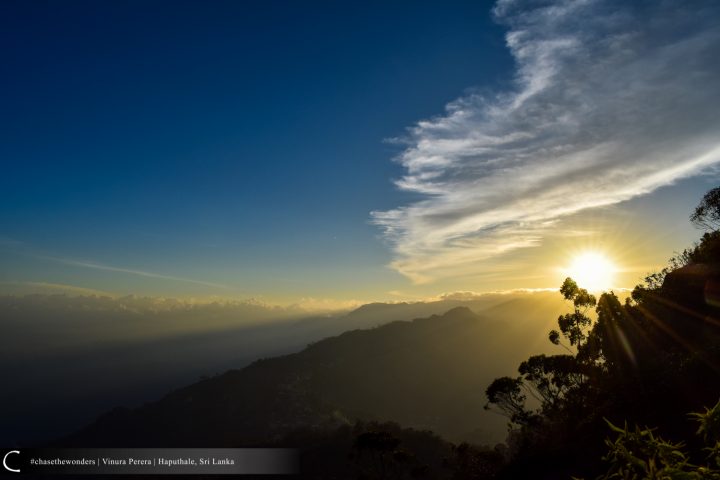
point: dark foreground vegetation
(631, 393)
(647, 362)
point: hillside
(62, 379)
(428, 373)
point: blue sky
(245, 148)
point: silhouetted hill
(429, 373)
(68, 359)
(375, 314)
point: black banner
(149, 461)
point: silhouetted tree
(549, 379)
(378, 456)
(707, 214)
(573, 325)
(507, 395)
(469, 462)
(644, 360)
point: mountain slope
(135, 349)
(429, 373)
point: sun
(592, 271)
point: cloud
(20, 287)
(609, 101)
(12, 244)
(468, 296)
(8, 242)
(107, 268)
(325, 305)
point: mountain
(68, 359)
(428, 373)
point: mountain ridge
(428, 373)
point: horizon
(304, 306)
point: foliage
(573, 325)
(469, 462)
(707, 214)
(386, 451)
(506, 393)
(644, 360)
(379, 457)
(706, 251)
(639, 453)
(709, 423)
(551, 379)
(654, 281)
(710, 431)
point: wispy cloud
(7, 243)
(609, 101)
(108, 268)
(23, 287)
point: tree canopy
(707, 214)
(646, 360)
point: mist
(69, 359)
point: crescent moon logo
(5, 461)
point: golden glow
(592, 271)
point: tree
(642, 360)
(707, 213)
(705, 216)
(573, 325)
(549, 379)
(506, 393)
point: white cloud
(610, 101)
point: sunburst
(592, 271)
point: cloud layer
(609, 101)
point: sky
(326, 153)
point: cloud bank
(609, 101)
